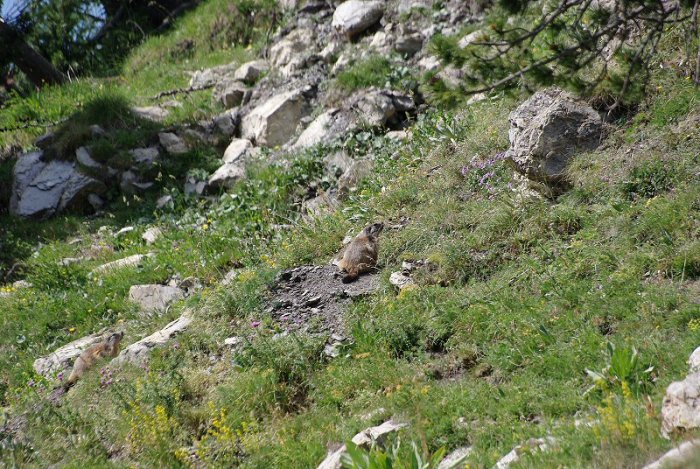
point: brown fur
(107, 348)
(361, 254)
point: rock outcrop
(44, 188)
(154, 298)
(62, 358)
(680, 409)
(364, 439)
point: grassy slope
(490, 349)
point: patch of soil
(313, 298)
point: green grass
(519, 298)
(375, 71)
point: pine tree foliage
(601, 46)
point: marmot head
(115, 338)
(374, 229)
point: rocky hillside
(535, 300)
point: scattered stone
(407, 5)
(82, 155)
(97, 132)
(337, 163)
(275, 121)
(194, 186)
(145, 156)
(364, 439)
(313, 298)
(401, 279)
(173, 144)
(325, 128)
(151, 113)
(227, 122)
(250, 72)
(398, 135)
(152, 234)
(354, 16)
(233, 341)
(138, 352)
(456, 457)
(329, 53)
(62, 358)
(547, 130)
(67, 261)
(131, 261)
(123, 231)
(293, 49)
(533, 444)
(41, 189)
(154, 298)
(130, 183)
(322, 204)
(349, 181)
(226, 176)
(680, 409)
(678, 458)
(409, 43)
(164, 201)
(238, 149)
(230, 276)
(232, 94)
(378, 108)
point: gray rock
(323, 204)
(238, 149)
(409, 42)
(62, 358)
(123, 231)
(337, 163)
(275, 121)
(293, 49)
(226, 176)
(82, 155)
(96, 131)
(45, 140)
(547, 130)
(456, 457)
(130, 261)
(173, 144)
(227, 122)
(95, 201)
(138, 352)
(231, 94)
(405, 6)
(130, 183)
(154, 298)
(359, 170)
(533, 444)
(678, 458)
(195, 186)
(364, 439)
(145, 156)
(329, 53)
(694, 361)
(354, 16)
(164, 201)
(42, 189)
(250, 72)
(151, 113)
(680, 409)
(211, 76)
(401, 279)
(152, 234)
(328, 126)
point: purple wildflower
(255, 324)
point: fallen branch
(191, 89)
(34, 124)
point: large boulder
(275, 121)
(354, 16)
(547, 130)
(226, 176)
(238, 149)
(231, 93)
(41, 189)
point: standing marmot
(361, 254)
(107, 348)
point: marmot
(107, 348)
(361, 254)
